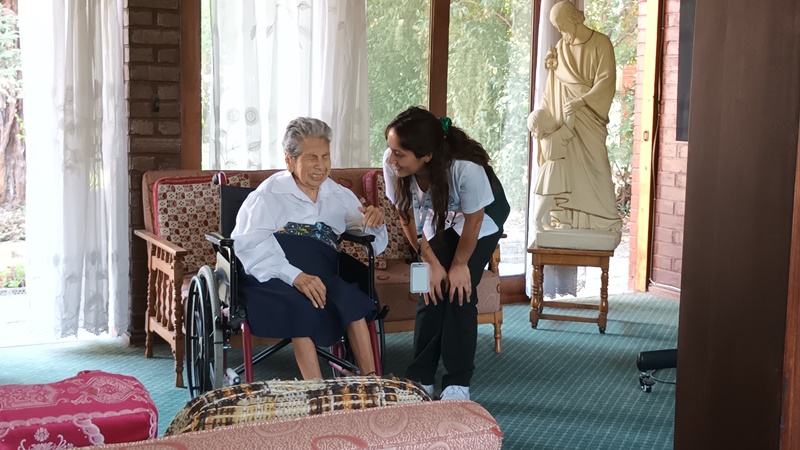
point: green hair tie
(446, 122)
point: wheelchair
(213, 314)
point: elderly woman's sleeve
(259, 252)
(389, 177)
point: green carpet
(561, 386)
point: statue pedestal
(579, 239)
(568, 257)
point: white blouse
(470, 191)
(278, 201)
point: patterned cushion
(186, 208)
(375, 190)
(357, 250)
(265, 401)
(91, 408)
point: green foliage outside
(10, 57)
(398, 47)
(12, 277)
(489, 83)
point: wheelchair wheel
(204, 339)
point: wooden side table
(568, 257)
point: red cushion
(92, 408)
(186, 209)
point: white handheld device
(420, 277)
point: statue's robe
(586, 70)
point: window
(488, 95)
(398, 48)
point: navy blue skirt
(277, 310)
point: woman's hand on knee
(312, 287)
(460, 283)
(437, 279)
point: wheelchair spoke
(197, 339)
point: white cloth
(272, 61)
(76, 130)
(278, 201)
(470, 191)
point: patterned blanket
(264, 401)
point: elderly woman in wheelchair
(286, 238)
(285, 278)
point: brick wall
(670, 164)
(152, 88)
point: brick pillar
(670, 162)
(152, 90)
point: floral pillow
(376, 192)
(186, 208)
(358, 252)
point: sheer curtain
(76, 133)
(272, 61)
(558, 279)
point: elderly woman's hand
(312, 287)
(373, 216)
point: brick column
(152, 90)
(670, 162)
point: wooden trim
(535, 16)
(437, 66)
(191, 109)
(664, 291)
(790, 414)
(652, 64)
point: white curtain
(272, 61)
(77, 193)
(558, 279)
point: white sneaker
(428, 388)
(454, 392)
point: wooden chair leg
(178, 353)
(498, 334)
(148, 343)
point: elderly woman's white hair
(301, 129)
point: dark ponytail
(421, 132)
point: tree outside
(12, 152)
(398, 52)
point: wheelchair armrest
(219, 240)
(359, 237)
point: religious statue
(553, 177)
(578, 205)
